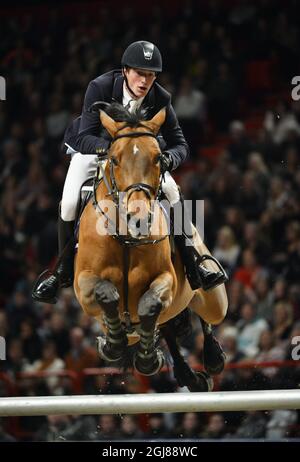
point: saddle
(86, 195)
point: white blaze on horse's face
(135, 150)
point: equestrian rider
(134, 86)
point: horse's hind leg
(185, 376)
(211, 307)
(149, 359)
(213, 354)
(113, 346)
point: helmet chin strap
(128, 87)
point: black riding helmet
(143, 55)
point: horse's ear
(108, 123)
(156, 122)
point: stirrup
(201, 258)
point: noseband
(114, 192)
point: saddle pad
(86, 194)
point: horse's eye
(115, 161)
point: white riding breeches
(80, 169)
(83, 166)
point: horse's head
(134, 161)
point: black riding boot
(46, 290)
(196, 273)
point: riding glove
(166, 162)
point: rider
(85, 139)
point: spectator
(282, 321)
(280, 122)
(240, 145)
(227, 250)
(247, 272)
(228, 338)
(261, 172)
(49, 362)
(53, 429)
(190, 109)
(251, 197)
(222, 96)
(19, 310)
(250, 329)
(156, 427)
(5, 437)
(264, 297)
(280, 424)
(80, 356)
(129, 428)
(32, 344)
(16, 361)
(269, 351)
(252, 426)
(58, 117)
(108, 428)
(215, 428)
(58, 332)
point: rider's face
(140, 81)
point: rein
(114, 192)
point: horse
(131, 284)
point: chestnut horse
(130, 284)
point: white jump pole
(149, 403)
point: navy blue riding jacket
(86, 134)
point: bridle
(114, 192)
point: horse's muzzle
(138, 227)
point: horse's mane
(120, 114)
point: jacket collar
(149, 101)
(117, 93)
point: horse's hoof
(213, 356)
(103, 350)
(149, 366)
(203, 382)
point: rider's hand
(166, 162)
(105, 143)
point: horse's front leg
(149, 359)
(112, 347)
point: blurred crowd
(250, 192)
